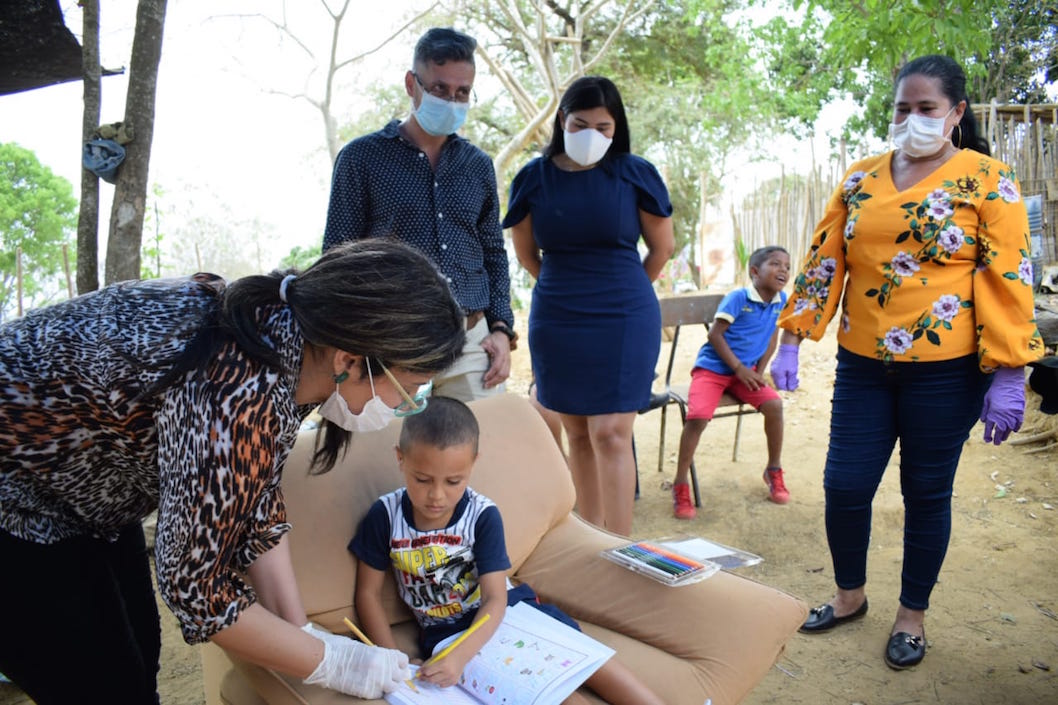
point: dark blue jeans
(930, 408)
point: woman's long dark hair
(376, 297)
(953, 84)
(585, 93)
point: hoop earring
(958, 143)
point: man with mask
(418, 181)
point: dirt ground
(992, 627)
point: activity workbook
(532, 659)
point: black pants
(78, 620)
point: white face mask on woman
(586, 146)
(374, 417)
(920, 136)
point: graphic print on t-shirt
(435, 573)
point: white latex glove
(322, 635)
(357, 669)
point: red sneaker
(682, 506)
(776, 486)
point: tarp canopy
(36, 48)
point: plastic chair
(676, 312)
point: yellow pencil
(356, 631)
(459, 639)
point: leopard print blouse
(82, 453)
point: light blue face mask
(439, 117)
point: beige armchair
(713, 639)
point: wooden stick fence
(787, 218)
(1026, 138)
(19, 283)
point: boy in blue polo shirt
(741, 341)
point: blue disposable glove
(1004, 407)
(784, 367)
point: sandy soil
(992, 628)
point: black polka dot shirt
(384, 185)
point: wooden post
(738, 246)
(1041, 170)
(18, 278)
(992, 138)
(698, 260)
(66, 269)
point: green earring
(338, 379)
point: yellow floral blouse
(934, 272)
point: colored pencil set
(661, 564)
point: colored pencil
(671, 555)
(666, 572)
(359, 634)
(675, 562)
(681, 565)
(651, 560)
(459, 639)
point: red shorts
(707, 387)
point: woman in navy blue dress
(576, 215)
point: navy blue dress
(594, 325)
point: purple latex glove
(1004, 407)
(784, 367)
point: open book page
(532, 659)
(416, 692)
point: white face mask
(586, 146)
(374, 417)
(920, 136)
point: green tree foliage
(792, 67)
(690, 99)
(1007, 48)
(389, 102)
(38, 213)
(301, 258)
(1023, 56)
(151, 250)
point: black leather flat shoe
(822, 618)
(904, 650)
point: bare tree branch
(518, 143)
(561, 13)
(281, 26)
(532, 48)
(390, 38)
(626, 17)
(523, 102)
(547, 53)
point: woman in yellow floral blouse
(926, 248)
